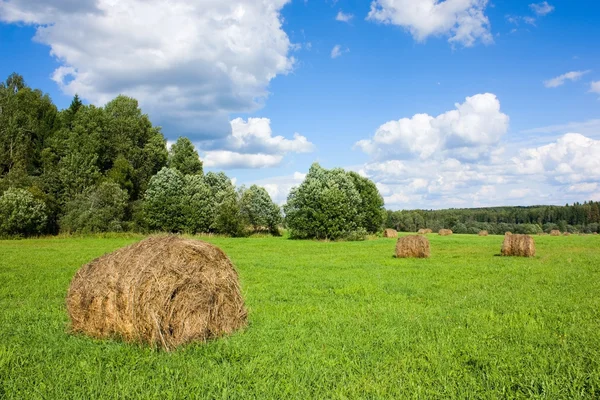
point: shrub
(325, 206)
(163, 205)
(98, 209)
(21, 213)
(258, 210)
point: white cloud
(255, 136)
(542, 8)
(190, 64)
(583, 188)
(343, 17)
(564, 170)
(463, 20)
(231, 160)
(252, 145)
(337, 51)
(572, 158)
(468, 132)
(560, 80)
(595, 87)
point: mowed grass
(327, 320)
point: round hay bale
(595, 233)
(445, 232)
(390, 233)
(555, 232)
(567, 234)
(425, 231)
(518, 246)
(483, 233)
(414, 246)
(163, 291)
(507, 233)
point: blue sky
(461, 103)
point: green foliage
(21, 214)
(184, 157)
(327, 205)
(199, 206)
(229, 219)
(163, 201)
(258, 210)
(371, 211)
(98, 209)
(326, 321)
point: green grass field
(327, 320)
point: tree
(199, 205)
(98, 209)
(163, 201)
(258, 210)
(325, 206)
(21, 213)
(228, 220)
(371, 211)
(184, 157)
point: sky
(455, 103)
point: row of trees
(578, 217)
(96, 169)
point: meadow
(327, 320)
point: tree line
(88, 169)
(575, 218)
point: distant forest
(88, 169)
(582, 218)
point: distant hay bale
(414, 246)
(595, 233)
(390, 233)
(424, 231)
(567, 234)
(163, 291)
(555, 232)
(445, 232)
(483, 233)
(507, 233)
(518, 246)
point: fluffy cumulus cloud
(565, 170)
(463, 20)
(560, 80)
(424, 162)
(469, 131)
(573, 158)
(279, 187)
(190, 64)
(251, 144)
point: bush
(258, 210)
(21, 213)
(98, 209)
(163, 201)
(326, 205)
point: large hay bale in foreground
(445, 232)
(414, 246)
(518, 246)
(390, 233)
(555, 232)
(483, 233)
(507, 233)
(163, 291)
